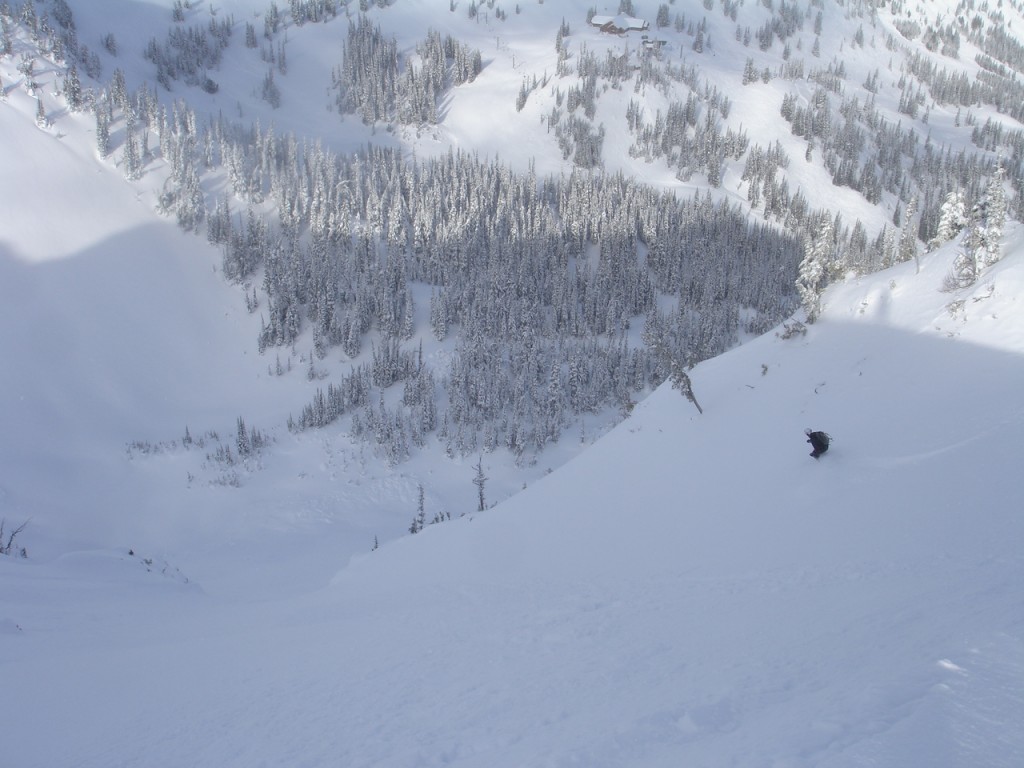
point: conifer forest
(557, 295)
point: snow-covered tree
(965, 265)
(995, 216)
(41, 119)
(242, 440)
(131, 162)
(907, 249)
(681, 381)
(270, 92)
(952, 218)
(480, 480)
(810, 282)
(73, 89)
(102, 129)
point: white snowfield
(690, 590)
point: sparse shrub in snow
(159, 565)
(7, 544)
(420, 521)
(792, 330)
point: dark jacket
(819, 442)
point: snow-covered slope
(694, 589)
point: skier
(819, 441)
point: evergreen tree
(119, 90)
(270, 92)
(41, 119)
(131, 164)
(681, 381)
(811, 280)
(421, 511)
(907, 248)
(73, 89)
(102, 129)
(995, 216)
(973, 253)
(698, 42)
(952, 218)
(663, 18)
(242, 441)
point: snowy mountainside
(376, 263)
(693, 588)
(685, 589)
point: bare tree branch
(5, 549)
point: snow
(689, 590)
